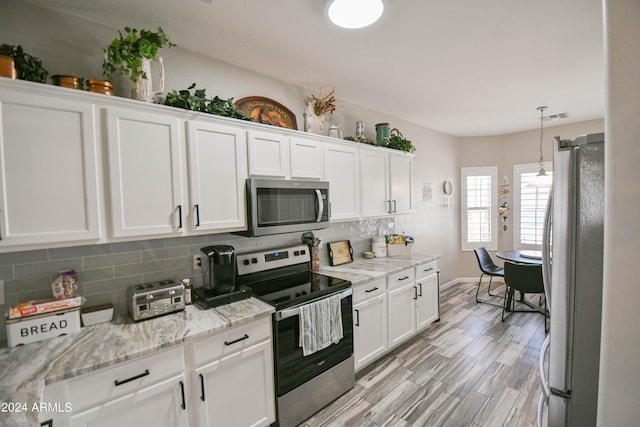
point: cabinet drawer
(128, 377)
(369, 290)
(401, 278)
(427, 269)
(230, 341)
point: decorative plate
(267, 111)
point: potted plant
(131, 55)
(27, 67)
(399, 142)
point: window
(530, 205)
(479, 218)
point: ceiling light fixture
(355, 13)
(541, 171)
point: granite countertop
(363, 270)
(26, 369)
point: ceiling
(463, 67)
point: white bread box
(41, 327)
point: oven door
(291, 367)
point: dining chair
(488, 268)
(527, 279)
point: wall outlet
(197, 262)
(1, 292)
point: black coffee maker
(219, 269)
(219, 278)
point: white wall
(504, 151)
(69, 45)
(619, 392)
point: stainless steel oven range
(304, 384)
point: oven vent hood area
(277, 206)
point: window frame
(466, 172)
(518, 170)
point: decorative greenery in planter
(323, 104)
(125, 53)
(198, 101)
(398, 142)
(27, 67)
(360, 139)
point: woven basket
(400, 249)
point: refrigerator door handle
(543, 378)
(546, 250)
(541, 403)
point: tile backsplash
(105, 271)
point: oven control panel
(255, 262)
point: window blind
(479, 209)
(533, 204)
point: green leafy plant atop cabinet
(126, 52)
(27, 67)
(399, 142)
(196, 100)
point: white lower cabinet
(159, 405)
(427, 303)
(390, 311)
(402, 314)
(233, 378)
(146, 391)
(369, 322)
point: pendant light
(541, 171)
(353, 14)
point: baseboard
(468, 280)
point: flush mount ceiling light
(354, 13)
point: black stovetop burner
(287, 291)
(281, 276)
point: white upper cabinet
(145, 173)
(48, 171)
(268, 154)
(306, 158)
(217, 175)
(374, 182)
(401, 183)
(387, 183)
(341, 169)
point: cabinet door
(341, 169)
(48, 171)
(402, 313)
(160, 405)
(369, 330)
(145, 173)
(237, 390)
(427, 302)
(217, 173)
(374, 182)
(401, 184)
(306, 158)
(268, 154)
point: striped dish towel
(320, 324)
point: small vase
(142, 88)
(312, 122)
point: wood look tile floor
(469, 369)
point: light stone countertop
(363, 270)
(26, 369)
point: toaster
(153, 299)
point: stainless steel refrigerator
(572, 270)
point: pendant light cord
(541, 162)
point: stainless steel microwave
(276, 206)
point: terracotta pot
(71, 82)
(104, 87)
(6, 67)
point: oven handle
(290, 312)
